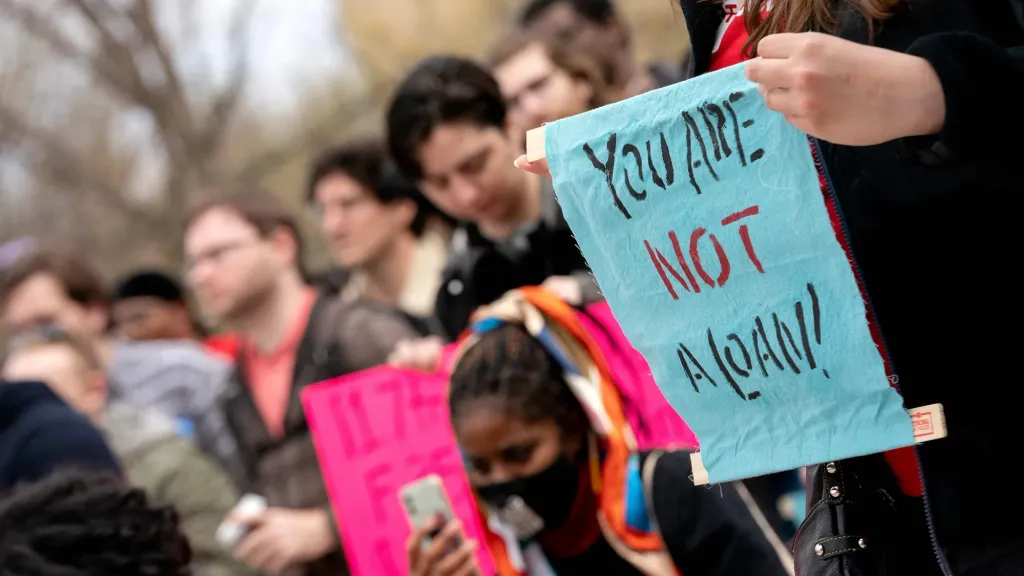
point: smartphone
(426, 502)
(231, 532)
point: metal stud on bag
(863, 543)
(819, 550)
(830, 467)
(835, 492)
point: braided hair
(78, 523)
(512, 371)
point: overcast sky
(294, 42)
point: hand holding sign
(847, 93)
(376, 431)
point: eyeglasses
(48, 334)
(218, 255)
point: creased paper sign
(701, 216)
(374, 432)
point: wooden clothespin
(929, 424)
(535, 145)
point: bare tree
(126, 55)
(388, 35)
(117, 64)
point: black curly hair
(78, 523)
(509, 369)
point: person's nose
(465, 191)
(333, 221)
(200, 273)
(500, 473)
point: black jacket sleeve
(983, 84)
(708, 530)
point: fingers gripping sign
(847, 93)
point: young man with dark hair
(447, 131)
(243, 254)
(54, 287)
(381, 228)
(596, 28)
(151, 305)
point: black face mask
(530, 504)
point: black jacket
(710, 531)
(706, 531)
(40, 434)
(931, 224)
(480, 271)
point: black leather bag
(859, 523)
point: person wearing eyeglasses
(597, 28)
(244, 261)
(55, 287)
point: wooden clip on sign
(929, 424)
(535, 145)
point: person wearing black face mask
(548, 450)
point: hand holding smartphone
(437, 546)
(235, 526)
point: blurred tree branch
(70, 172)
(116, 127)
(130, 59)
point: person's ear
(96, 394)
(585, 92)
(97, 319)
(618, 30)
(405, 212)
(286, 247)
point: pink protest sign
(447, 358)
(376, 431)
(655, 422)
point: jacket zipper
(940, 557)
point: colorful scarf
(621, 508)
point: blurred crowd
(426, 224)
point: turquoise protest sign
(701, 215)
